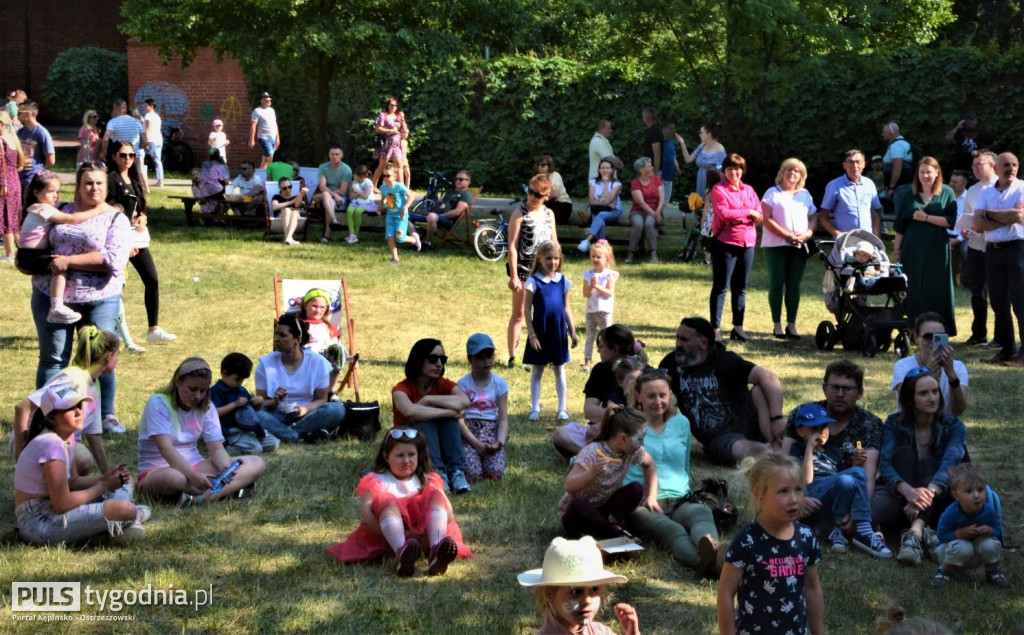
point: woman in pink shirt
(737, 212)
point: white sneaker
(4, 259)
(143, 513)
(112, 425)
(63, 315)
(352, 239)
(584, 245)
(129, 532)
(159, 336)
(563, 415)
(134, 348)
(291, 241)
(534, 415)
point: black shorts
(33, 261)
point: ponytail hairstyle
(621, 419)
(190, 368)
(38, 425)
(93, 344)
(650, 377)
(295, 325)
(618, 338)
(760, 469)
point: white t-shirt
(246, 187)
(483, 402)
(220, 144)
(400, 489)
(907, 364)
(975, 240)
(153, 124)
(360, 190)
(313, 374)
(35, 231)
(266, 122)
(157, 419)
(790, 211)
(597, 302)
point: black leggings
(583, 518)
(143, 263)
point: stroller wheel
(869, 345)
(902, 344)
(825, 336)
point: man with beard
(854, 437)
(733, 405)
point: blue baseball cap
(479, 342)
(812, 415)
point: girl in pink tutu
(403, 510)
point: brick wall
(194, 96)
(53, 27)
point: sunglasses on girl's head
(914, 372)
(126, 155)
(403, 433)
(433, 359)
(92, 165)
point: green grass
(264, 557)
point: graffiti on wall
(171, 102)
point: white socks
(560, 386)
(438, 526)
(394, 532)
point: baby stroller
(853, 296)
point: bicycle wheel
(484, 243)
(424, 206)
(690, 249)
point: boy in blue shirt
(236, 409)
(970, 531)
(841, 494)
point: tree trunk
(324, 77)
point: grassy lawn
(264, 557)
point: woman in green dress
(922, 244)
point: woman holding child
(919, 445)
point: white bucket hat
(570, 562)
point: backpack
(916, 154)
(713, 493)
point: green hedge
(84, 78)
(495, 117)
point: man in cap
(263, 128)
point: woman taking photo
(558, 201)
(919, 445)
(648, 203)
(390, 124)
(734, 233)
(295, 383)
(528, 227)
(93, 254)
(790, 219)
(605, 205)
(922, 244)
(430, 403)
(125, 191)
(708, 154)
(949, 372)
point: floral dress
(392, 142)
(10, 205)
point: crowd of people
(829, 471)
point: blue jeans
(601, 219)
(841, 494)
(327, 417)
(156, 150)
(444, 440)
(40, 524)
(55, 340)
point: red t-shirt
(441, 387)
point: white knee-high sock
(535, 377)
(394, 532)
(437, 526)
(560, 385)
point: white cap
(61, 396)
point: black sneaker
(315, 436)
(976, 340)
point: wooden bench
(226, 212)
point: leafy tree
(84, 78)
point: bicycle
(437, 187)
(490, 241)
(691, 241)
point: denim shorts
(39, 524)
(267, 145)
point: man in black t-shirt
(968, 138)
(652, 138)
(733, 405)
(454, 204)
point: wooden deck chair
(288, 294)
(454, 234)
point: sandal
(940, 579)
(997, 579)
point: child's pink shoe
(407, 556)
(441, 555)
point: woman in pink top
(88, 138)
(737, 212)
(648, 203)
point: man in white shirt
(155, 139)
(600, 146)
(248, 183)
(263, 128)
(984, 168)
(1000, 214)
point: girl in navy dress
(769, 581)
(549, 323)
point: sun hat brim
(535, 577)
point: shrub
(84, 78)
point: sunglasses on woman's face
(403, 433)
(433, 359)
(126, 155)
